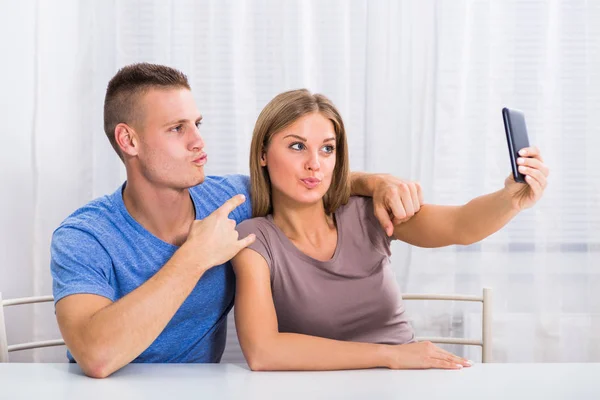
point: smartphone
(516, 137)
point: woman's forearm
(438, 226)
(484, 216)
(296, 352)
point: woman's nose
(312, 163)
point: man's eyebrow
(181, 121)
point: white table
(228, 381)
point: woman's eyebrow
(304, 139)
(296, 136)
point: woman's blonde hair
(281, 112)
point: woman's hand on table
(424, 355)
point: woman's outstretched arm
(437, 226)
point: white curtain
(420, 85)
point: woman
(315, 290)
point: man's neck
(166, 213)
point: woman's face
(301, 159)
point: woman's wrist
(385, 355)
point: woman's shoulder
(356, 206)
(262, 227)
(359, 221)
(253, 225)
(358, 214)
(266, 242)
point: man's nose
(197, 143)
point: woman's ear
(263, 159)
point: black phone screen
(516, 136)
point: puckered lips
(201, 159)
(311, 182)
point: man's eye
(177, 128)
(198, 124)
(297, 146)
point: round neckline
(290, 246)
(139, 227)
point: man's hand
(214, 240)
(395, 201)
(536, 173)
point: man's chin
(197, 180)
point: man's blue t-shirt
(100, 249)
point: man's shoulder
(216, 190)
(225, 184)
(97, 215)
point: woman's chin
(302, 197)
(309, 198)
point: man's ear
(127, 139)
(263, 159)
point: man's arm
(395, 201)
(104, 336)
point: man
(142, 274)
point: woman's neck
(303, 223)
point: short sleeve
(366, 215)
(241, 185)
(79, 264)
(262, 244)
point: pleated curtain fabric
(420, 85)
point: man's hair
(126, 87)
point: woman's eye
(328, 149)
(297, 146)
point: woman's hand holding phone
(531, 164)
(526, 184)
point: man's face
(170, 150)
